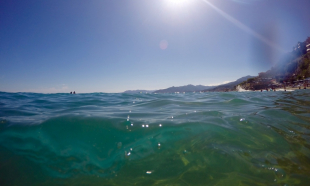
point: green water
(236, 138)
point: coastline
(287, 89)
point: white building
(308, 47)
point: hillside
(228, 86)
(186, 88)
(292, 69)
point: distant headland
(194, 88)
(292, 72)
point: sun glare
(177, 2)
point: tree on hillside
(250, 80)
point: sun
(177, 2)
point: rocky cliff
(291, 69)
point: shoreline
(282, 89)
(276, 89)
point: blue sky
(111, 46)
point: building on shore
(302, 47)
(308, 47)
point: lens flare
(245, 28)
(163, 44)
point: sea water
(233, 138)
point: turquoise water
(234, 138)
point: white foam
(240, 89)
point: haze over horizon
(113, 46)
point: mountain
(293, 68)
(138, 91)
(186, 88)
(228, 86)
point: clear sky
(116, 45)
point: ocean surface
(233, 138)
